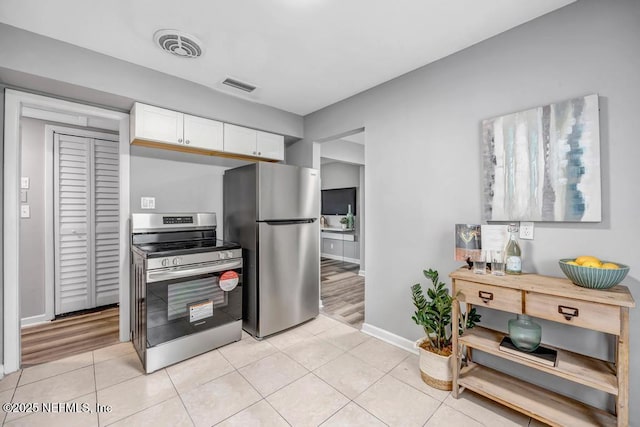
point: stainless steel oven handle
(158, 276)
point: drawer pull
(485, 296)
(568, 312)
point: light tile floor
(321, 373)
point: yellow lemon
(584, 258)
(572, 263)
(592, 263)
(610, 266)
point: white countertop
(335, 229)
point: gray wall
(423, 160)
(342, 150)
(32, 248)
(41, 63)
(339, 175)
(178, 183)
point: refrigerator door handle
(289, 221)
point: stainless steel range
(186, 294)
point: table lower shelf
(595, 373)
(534, 401)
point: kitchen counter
(338, 229)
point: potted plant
(434, 315)
(344, 221)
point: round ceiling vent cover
(178, 43)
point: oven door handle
(159, 276)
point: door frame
(49, 214)
(70, 113)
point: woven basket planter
(435, 370)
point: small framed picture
(468, 242)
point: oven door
(187, 299)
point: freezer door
(288, 275)
(287, 192)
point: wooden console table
(561, 301)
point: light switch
(148, 202)
(24, 183)
(25, 211)
(23, 196)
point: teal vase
(525, 334)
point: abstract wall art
(543, 164)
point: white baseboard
(341, 258)
(361, 273)
(389, 337)
(34, 320)
(1, 372)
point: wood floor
(68, 336)
(342, 291)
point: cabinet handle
(254, 152)
(568, 312)
(187, 142)
(485, 296)
(259, 153)
(180, 140)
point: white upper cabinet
(203, 133)
(270, 145)
(156, 124)
(162, 126)
(255, 143)
(239, 140)
(171, 127)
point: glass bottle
(513, 255)
(350, 219)
(525, 334)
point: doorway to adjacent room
(342, 265)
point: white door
(202, 133)
(106, 215)
(85, 222)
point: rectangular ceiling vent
(239, 85)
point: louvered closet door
(86, 223)
(72, 223)
(107, 216)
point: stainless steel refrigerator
(272, 210)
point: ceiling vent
(178, 43)
(239, 85)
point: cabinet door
(332, 247)
(202, 133)
(158, 124)
(239, 140)
(270, 146)
(352, 250)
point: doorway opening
(342, 264)
(71, 188)
(88, 257)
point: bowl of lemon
(590, 272)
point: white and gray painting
(543, 164)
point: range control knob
(229, 254)
(165, 262)
(177, 261)
(222, 255)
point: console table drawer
(490, 296)
(590, 315)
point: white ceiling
(302, 54)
